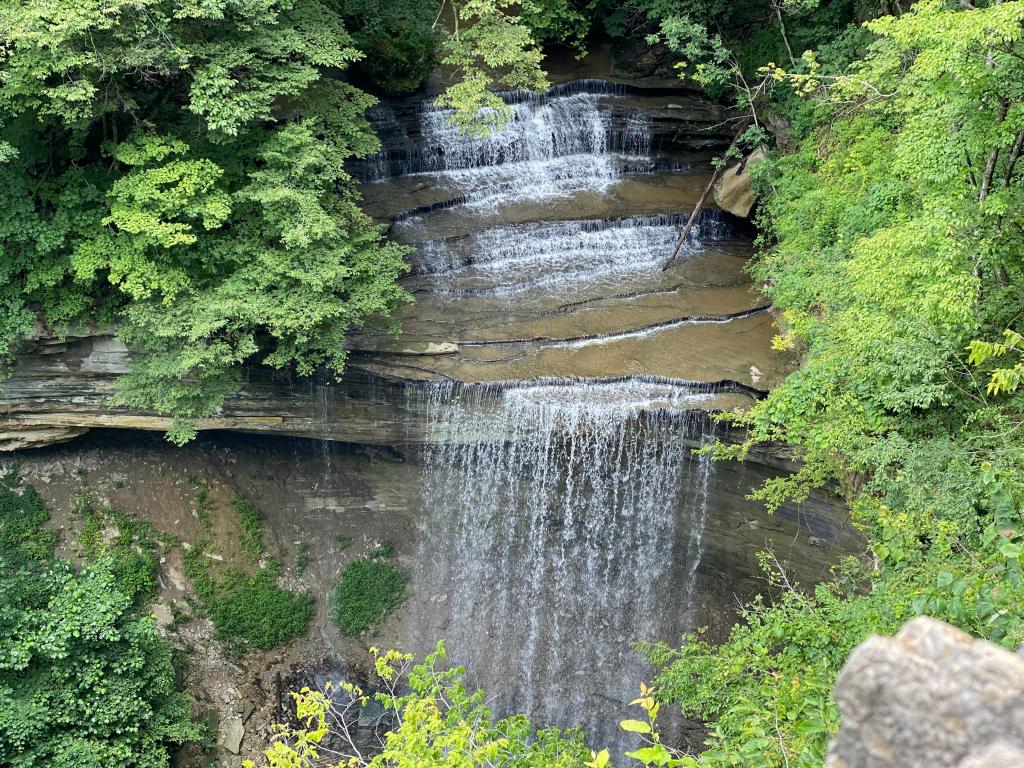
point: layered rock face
(538, 254)
(930, 697)
(539, 402)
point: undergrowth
(252, 528)
(248, 610)
(22, 517)
(133, 545)
(369, 588)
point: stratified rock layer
(930, 697)
(538, 254)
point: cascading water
(563, 518)
(560, 257)
(564, 527)
(562, 141)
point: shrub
(438, 722)
(22, 516)
(249, 610)
(133, 552)
(252, 528)
(399, 57)
(85, 681)
(202, 497)
(369, 588)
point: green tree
(85, 680)
(179, 169)
(437, 723)
(890, 246)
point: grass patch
(369, 588)
(248, 610)
(202, 498)
(383, 552)
(343, 541)
(301, 557)
(252, 528)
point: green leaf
(1010, 550)
(653, 755)
(635, 726)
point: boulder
(163, 615)
(232, 732)
(930, 697)
(734, 190)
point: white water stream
(570, 530)
(566, 521)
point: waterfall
(559, 532)
(563, 518)
(555, 143)
(558, 257)
(539, 129)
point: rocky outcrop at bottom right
(930, 697)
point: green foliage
(1001, 380)
(385, 551)
(130, 544)
(252, 528)
(889, 249)
(399, 40)
(368, 589)
(441, 723)
(248, 610)
(84, 680)
(767, 689)
(563, 21)
(23, 538)
(202, 499)
(301, 557)
(892, 255)
(490, 48)
(152, 181)
(179, 171)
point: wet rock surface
(930, 697)
(540, 251)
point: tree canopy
(177, 168)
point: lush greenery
(248, 610)
(85, 679)
(433, 720)
(438, 722)
(178, 169)
(368, 589)
(890, 214)
(133, 545)
(252, 528)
